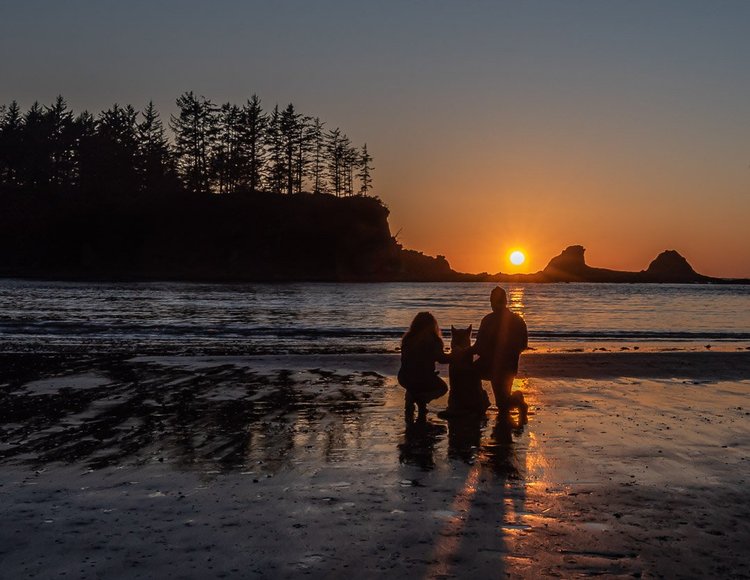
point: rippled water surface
(203, 318)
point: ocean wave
(21, 329)
(358, 317)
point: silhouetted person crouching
(501, 338)
(421, 347)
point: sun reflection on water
(515, 300)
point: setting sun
(517, 258)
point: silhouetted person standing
(501, 338)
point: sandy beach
(631, 465)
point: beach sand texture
(631, 465)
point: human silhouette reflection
(497, 451)
(465, 436)
(418, 445)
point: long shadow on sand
(478, 494)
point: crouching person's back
(421, 347)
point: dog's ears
(453, 328)
(469, 329)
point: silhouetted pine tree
(3, 148)
(275, 146)
(350, 159)
(365, 171)
(228, 154)
(61, 145)
(335, 160)
(304, 147)
(155, 164)
(87, 158)
(35, 148)
(195, 130)
(316, 136)
(116, 151)
(11, 143)
(289, 122)
(254, 123)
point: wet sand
(631, 465)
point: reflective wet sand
(246, 467)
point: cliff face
(570, 266)
(243, 237)
(569, 263)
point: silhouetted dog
(466, 395)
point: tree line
(214, 148)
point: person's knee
(502, 385)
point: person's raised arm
(523, 335)
(483, 337)
(440, 355)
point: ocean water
(324, 318)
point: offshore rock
(670, 266)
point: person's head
(498, 299)
(423, 325)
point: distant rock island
(570, 266)
(248, 237)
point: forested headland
(226, 192)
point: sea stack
(569, 266)
(671, 266)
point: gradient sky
(623, 126)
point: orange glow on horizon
(515, 206)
